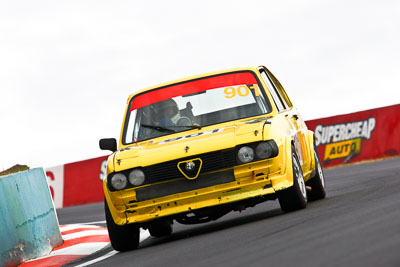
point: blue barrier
(28, 221)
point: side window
(275, 95)
(280, 89)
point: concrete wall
(28, 221)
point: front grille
(212, 161)
(184, 185)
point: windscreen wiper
(194, 126)
(158, 128)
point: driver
(167, 109)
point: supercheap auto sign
(358, 136)
(343, 140)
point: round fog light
(136, 177)
(263, 150)
(119, 181)
(246, 154)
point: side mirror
(108, 144)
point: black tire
(123, 238)
(317, 183)
(160, 228)
(295, 197)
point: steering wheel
(184, 121)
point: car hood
(189, 143)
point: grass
(14, 169)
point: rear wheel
(317, 183)
(295, 197)
(123, 238)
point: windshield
(194, 104)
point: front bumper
(167, 199)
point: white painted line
(85, 233)
(109, 254)
(98, 222)
(144, 234)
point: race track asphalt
(358, 224)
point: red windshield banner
(192, 87)
(365, 135)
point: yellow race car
(196, 149)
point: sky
(68, 67)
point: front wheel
(295, 197)
(123, 238)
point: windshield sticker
(241, 90)
(192, 135)
(266, 119)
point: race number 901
(241, 90)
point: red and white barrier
(349, 138)
(77, 183)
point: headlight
(245, 154)
(264, 150)
(119, 181)
(136, 177)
